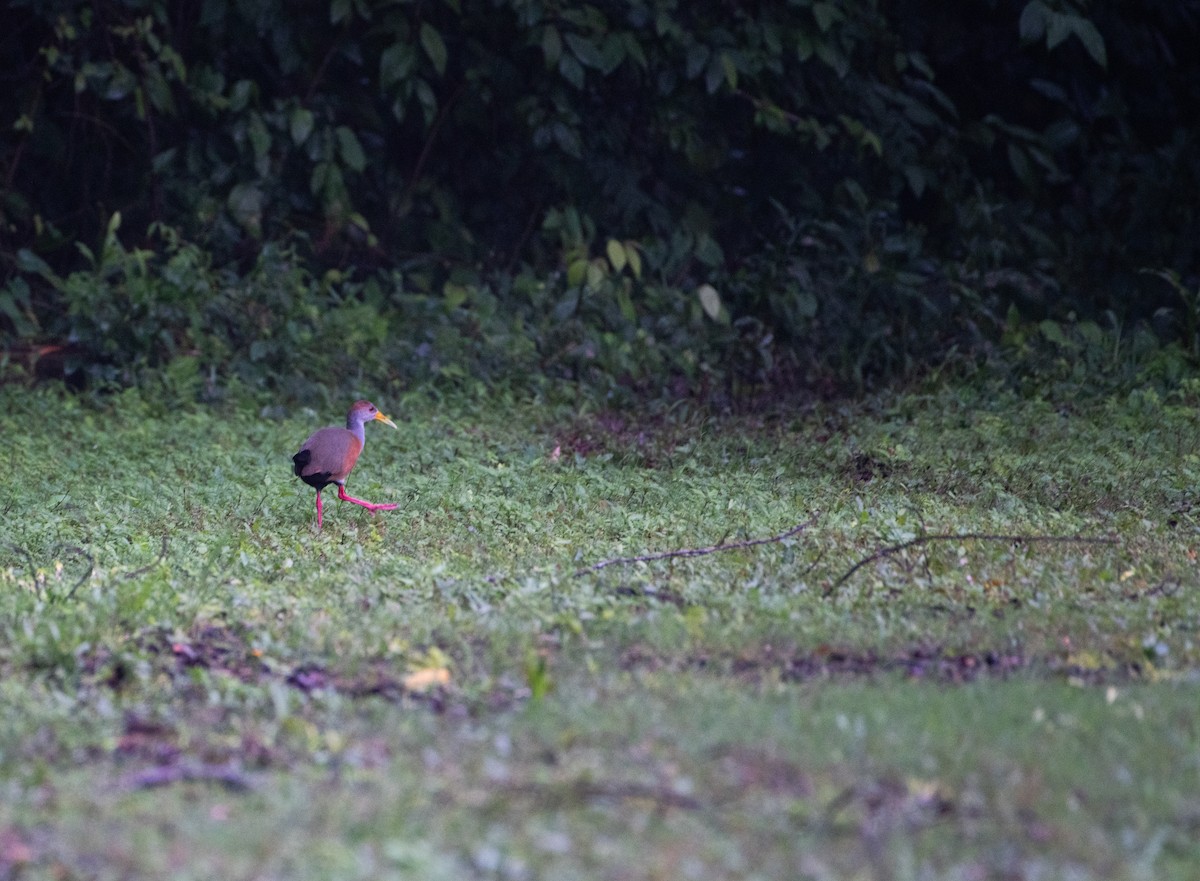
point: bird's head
(363, 412)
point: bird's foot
(370, 506)
(387, 506)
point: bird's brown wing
(326, 457)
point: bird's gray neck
(356, 428)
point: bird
(329, 454)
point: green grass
(239, 705)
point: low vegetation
(196, 682)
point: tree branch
(229, 775)
(963, 536)
(699, 552)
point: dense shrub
(623, 188)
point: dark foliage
(300, 194)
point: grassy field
(196, 683)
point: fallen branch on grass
(571, 792)
(91, 561)
(227, 775)
(964, 536)
(699, 552)
(162, 555)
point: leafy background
(303, 197)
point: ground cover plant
(195, 682)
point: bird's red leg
(370, 506)
(318, 509)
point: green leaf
(730, 69)
(806, 303)
(240, 95)
(245, 204)
(634, 259)
(1058, 28)
(260, 138)
(915, 175)
(855, 191)
(804, 46)
(163, 161)
(1053, 332)
(625, 304)
(832, 57)
(710, 301)
(300, 124)
(427, 99)
(434, 46)
(714, 76)
(1032, 24)
(551, 46)
(159, 91)
(27, 261)
(597, 272)
(350, 149)
(396, 62)
(333, 193)
(339, 10)
(454, 295)
(316, 181)
(15, 303)
(1091, 39)
(612, 53)
(616, 254)
(567, 139)
(864, 135)
(577, 271)
(708, 251)
(1019, 160)
(571, 70)
(120, 84)
(633, 49)
(585, 50)
(566, 307)
(826, 14)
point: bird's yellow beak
(379, 417)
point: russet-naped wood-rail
(329, 454)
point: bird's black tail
(300, 461)
(319, 479)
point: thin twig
(964, 536)
(66, 549)
(811, 566)
(1165, 588)
(699, 552)
(524, 236)
(320, 74)
(86, 575)
(162, 555)
(229, 776)
(434, 127)
(586, 790)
